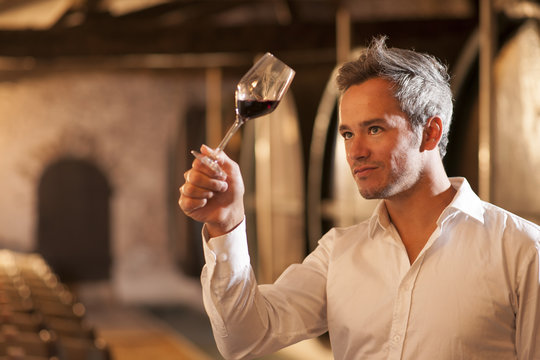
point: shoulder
(519, 238)
(344, 233)
(344, 237)
(481, 219)
(508, 224)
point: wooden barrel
(515, 125)
(273, 168)
(332, 196)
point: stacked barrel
(40, 318)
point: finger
(208, 151)
(190, 205)
(202, 180)
(219, 156)
(208, 165)
(195, 192)
(225, 163)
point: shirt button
(396, 338)
(222, 257)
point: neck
(422, 204)
(415, 212)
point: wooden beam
(108, 36)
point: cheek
(400, 157)
(348, 156)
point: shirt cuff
(229, 252)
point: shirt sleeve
(250, 320)
(528, 314)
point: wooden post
(343, 35)
(486, 96)
(214, 131)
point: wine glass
(258, 93)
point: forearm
(250, 320)
(238, 323)
(229, 293)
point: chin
(370, 194)
(370, 189)
(378, 192)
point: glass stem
(234, 128)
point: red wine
(248, 109)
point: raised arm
(248, 320)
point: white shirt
(472, 293)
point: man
(435, 273)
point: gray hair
(421, 82)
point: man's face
(383, 151)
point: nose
(357, 149)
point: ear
(432, 133)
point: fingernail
(213, 152)
(208, 148)
(224, 186)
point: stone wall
(124, 122)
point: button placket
(402, 310)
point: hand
(213, 197)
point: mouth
(363, 171)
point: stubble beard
(381, 192)
(397, 182)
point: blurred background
(101, 102)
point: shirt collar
(465, 201)
(379, 219)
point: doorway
(74, 220)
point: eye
(374, 130)
(346, 135)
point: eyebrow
(363, 124)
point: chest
(380, 305)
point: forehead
(371, 99)
(372, 92)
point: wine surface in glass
(249, 109)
